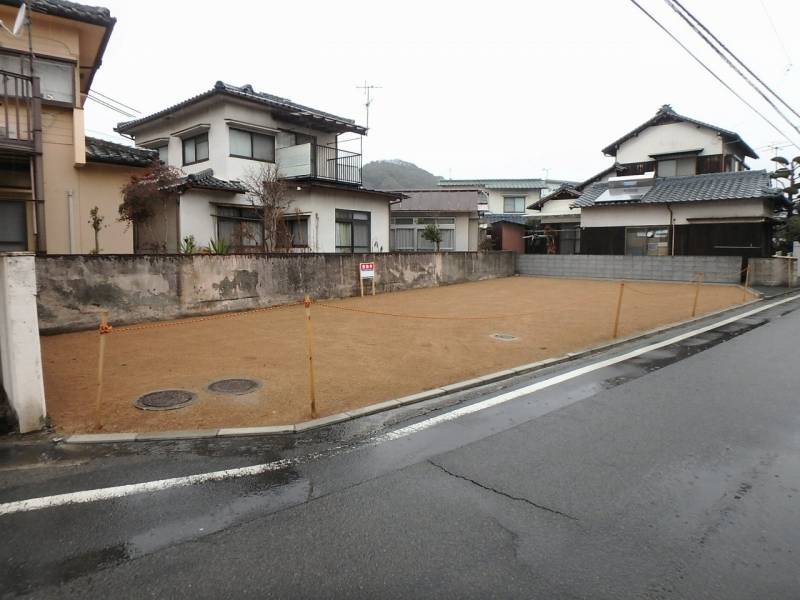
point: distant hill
(396, 175)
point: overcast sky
(489, 89)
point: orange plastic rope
(129, 328)
(104, 329)
(432, 317)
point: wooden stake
(361, 281)
(619, 308)
(98, 424)
(700, 277)
(310, 350)
(746, 283)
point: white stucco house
(454, 211)
(678, 186)
(557, 222)
(222, 136)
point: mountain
(396, 175)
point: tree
(433, 234)
(269, 192)
(147, 192)
(787, 174)
(96, 221)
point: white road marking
(164, 484)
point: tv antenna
(368, 93)
(18, 22)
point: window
(298, 230)
(255, 146)
(514, 204)
(13, 226)
(195, 149)
(406, 233)
(647, 241)
(57, 78)
(163, 154)
(240, 227)
(352, 231)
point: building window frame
(353, 218)
(302, 221)
(192, 142)
(244, 216)
(417, 225)
(651, 232)
(252, 135)
(515, 199)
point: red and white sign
(367, 270)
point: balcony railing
(320, 162)
(18, 111)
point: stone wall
(773, 271)
(717, 269)
(72, 289)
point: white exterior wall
(496, 200)
(20, 353)
(657, 214)
(555, 209)
(672, 137)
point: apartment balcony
(19, 112)
(319, 162)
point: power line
(674, 4)
(116, 101)
(107, 105)
(712, 73)
(778, 37)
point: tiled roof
(664, 115)
(205, 180)
(452, 201)
(94, 15)
(502, 184)
(694, 188)
(323, 120)
(506, 218)
(103, 151)
(563, 192)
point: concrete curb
(103, 438)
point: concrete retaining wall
(717, 269)
(20, 353)
(134, 289)
(773, 271)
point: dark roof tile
(103, 151)
(94, 15)
(452, 201)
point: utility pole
(367, 92)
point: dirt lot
(360, 358)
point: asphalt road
(675, 474)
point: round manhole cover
(504, 337)
(165, 400)
(235, 386)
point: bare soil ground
(360, 358)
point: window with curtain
(406, 233)
(255, 146)
(56, 77)
(352, 231)
(298, 230)
(514, 204)
(239, 227)
(195, 149)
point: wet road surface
(675, 474)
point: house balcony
(319, 162)
(19, 112)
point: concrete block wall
(20, 353)
(72, 289)
(716, 269)
(774, 271)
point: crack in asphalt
(502, 493)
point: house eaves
(666, 115)
(290, 111)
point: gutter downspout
(671, 231)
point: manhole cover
(165, 400)
(234, 386)
(504, 337)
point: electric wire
(676, 5)
(110, 99)
(110, 106)
(713, 74)
(778, 37)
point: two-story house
(51, 174)
(229, 134)
(509, 216)
(678, 186)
